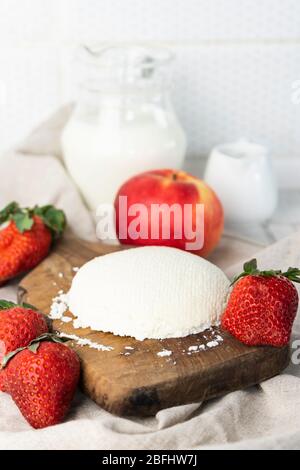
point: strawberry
(26, 236)
(262, 306)
(19, 325)
(42, 380)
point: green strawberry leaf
(250, 269)
(270, 273)
(9, 210)
(26, 305)
(23, 221)
(54, 219)
(293, 274)
(250, 266)
(6, 304)
(33, 346)
(9, 356)
(43, 337)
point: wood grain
(137, 381)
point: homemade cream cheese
(148, 292)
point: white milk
(103, 152)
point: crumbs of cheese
(164, 353)
(59, 306)
(66, 319)
(86, 342)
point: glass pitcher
(123, 122)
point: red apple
(153, 223)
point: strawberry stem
(250, 269)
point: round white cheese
(148, 292)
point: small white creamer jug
(241, 174)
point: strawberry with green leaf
(262, 306)
(41, 379)
(26, 235)
(19, 325)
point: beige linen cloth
(266, 416)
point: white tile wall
(228, 91)
(179, 20)
(30, 92)
(27, 21)
(236, 62)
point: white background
(237, 61)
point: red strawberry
(262, 306)
(26, 236)
(42, 380)
(18, 327)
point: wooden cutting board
(131, 379)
